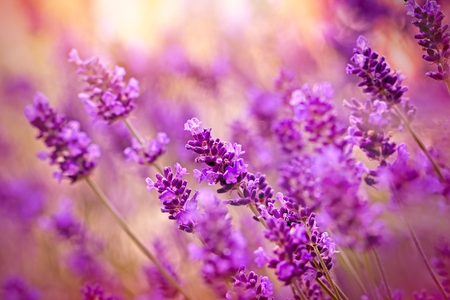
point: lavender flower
(250, 286)
(369, 125)
(158, 282)
(223, 249)
(312, 108)
(14, 288)
(106, 95)
(174, 195)
(222, 159)
(72, 149)
(147, 155)
(434, 37)
(442, 264)
(378, 80)
(95, 292)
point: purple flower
(250, 286)
(378, 80)
(155, 279)
(222, 158)
(95, 292)
(434, 38)
(314, 111)
(174, 195)
(15, 288)
(72, 149)
(106, 96)
(147, 155)
(223, 249)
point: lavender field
(225, 149)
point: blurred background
(213, 59)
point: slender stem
(325, 270)
(133, 131)
(326, 289)
(258, 215)
(383, 276)
(421, 251)
(351, 268)
(141, 140)
(425, 260)
(447, 83)
(298, 290)
(102, 197)
(420, 144)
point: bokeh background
(213, 59)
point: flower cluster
(434, 37)
(297, 236)
(250, 286)
(369, 125)
(147, 155)
(312, 108)
(14, 288)
(95, 292)
(174, 195)
(222, 159)
(223, 248)
(378, 80)
(106, 95)
(72, 149)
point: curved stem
(140, 139)
(420, 144)
(421, 251)
(383, 276)
(325, 270)
(326, 289)
(125, 227)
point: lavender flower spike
(247, 286)
(434, 37)
(72, 149)
(147, 155)
(174, 195)
(378, 80)
(106, 95)
(222, 158)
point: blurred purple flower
(95, 292)
(223, 249)
(154, 149)
(72, 149)
(15, 288)
(434, 37)
(159, 283)
(106, 95)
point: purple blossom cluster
(72, 149)
(14, 288)
(434, 38)
(174, 196)
(223, 248)
(377, 78)
(222, 159)
(250, 286)
(147, 154)
(106, 96)
(95, 292)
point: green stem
(421, 251)
(298, 290)
(351, 268)
(327, 274)
(125, 227)
(326, 289)
(420, 144)
(383, 276)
